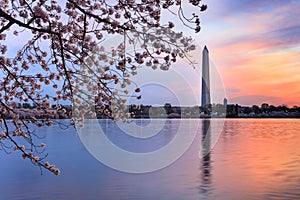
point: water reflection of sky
(137, 144)
(253, 159)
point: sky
(254, 49)
(255, 45)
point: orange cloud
(257, 50)
(257, 72)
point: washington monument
(205, 94)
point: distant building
(225, 103)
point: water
(253, 159)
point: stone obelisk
(205, 94)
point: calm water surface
(253, 159)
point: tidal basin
(252, 159)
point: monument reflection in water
(205, 167)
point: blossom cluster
(65, 49)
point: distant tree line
(169, 111)
(214, 110)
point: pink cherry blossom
(64, 50)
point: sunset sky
(255, 44)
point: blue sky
(255, 56)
